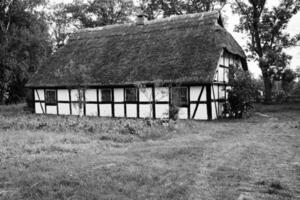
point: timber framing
(191, 108)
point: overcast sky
(293, 28)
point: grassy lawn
(49, 157)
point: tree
(154, 8)
(267, 39)
(24, 45)
(61, 25)
(97, 13)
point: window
(180, 96)
(131, 94)
(51, 97)
(106, 95)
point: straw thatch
(178, 49)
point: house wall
(219, 90)
(152, 102)
(225, 61)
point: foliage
(97, 13)
(288, 78)
(155, 8)
(24, 46)
(267, 39)
(61, 25)
(242, 94)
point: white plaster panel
(226, 61)
(226, 75)
(91, 95)
(161, 94)
(145, 94)
(214, 92)
(183, 113)
(76, 110)
(195, 91)
(119, 95)
(216, 78)
(221, 74)
(131, 110)
(64, 109)
(201, 113)
(62, 95)
(105, 110)
(221, 92)
(213, 111)
(162, 111)
(52, 110)
(145, 110)
(39, 93)
(221, 60)
(91, 109)
(119, 110)
(74, 95)
(221, 108)
(39, 108)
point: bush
(241, 96)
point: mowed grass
(50, 157)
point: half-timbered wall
(225, 61)
(153, 102)
(219, 90)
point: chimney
(140, 19)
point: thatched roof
(179, 49)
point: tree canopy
(267, 37)
(24, 45)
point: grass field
(49, 157)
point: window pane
(131, 94)
(179, 96)
(51, 97)
(106, 95)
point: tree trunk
(268, 87)
(267, 81)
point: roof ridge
(173, 18)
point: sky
(233, 19)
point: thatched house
(141, 70)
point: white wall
(105, 110)
(214, 92)
(221, 92)
(195, 91)
(39, 93)
(76, 109)
(63, 95)
(146, 110)
(131, 110)
(183, 113)
(145, 94)
(201, 113)
(91, 109)
(214, 110)
(52, 110)
(162, 111)
(161, 94)
(119, 94)
(74, 95)
(64, 108)
(119, 110)
(91, 95)
(39, 108)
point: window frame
(181, 103)
(110, 95)
(47, 100)
(126, 95)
